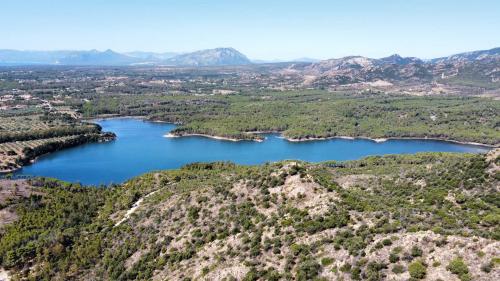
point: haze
(266, 30)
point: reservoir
(141, 147)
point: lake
(141, 147)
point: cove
(141, 147)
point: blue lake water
(141, 147)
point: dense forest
(316, 114)
(429, 215)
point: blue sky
(261, 29)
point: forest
(302, 115)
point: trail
(137, 204)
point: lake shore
(170, 135)
(380, 140)
(24, 159)
(377, 140)
(154, 148)
(115, 116)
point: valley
(343, 169)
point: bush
(416, 251)
(356, 273)
(345, 267)
(326, 261)
(393, 258)
(308, 269)
(417, 270)
(457, 266)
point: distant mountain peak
(211, 57)
(395, 56)
(399, 60)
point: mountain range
(477, 68)
(210, 57)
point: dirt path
(490, 157)
(138, 203)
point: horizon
(262, 31)
(250, 58)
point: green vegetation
(417, 270)
(316, 114)
(457, 266)
(52, 226)
(206, 217)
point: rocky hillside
(470, 56)
(479, 68)
(432, 216)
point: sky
(261, 29)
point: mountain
(92, 57)
(397, 59)
(95, 57)
(210, 57)
(476, 69)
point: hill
(431, 215)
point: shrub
(417, 270)
(457, 266)
(393, 258)
(356, 273)
(416, 251)
(308, 269)
(345, 267)
(326, 261)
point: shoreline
(377, 140)
(380, 140)
(107, 117)
(170, 135)
(27, 160)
